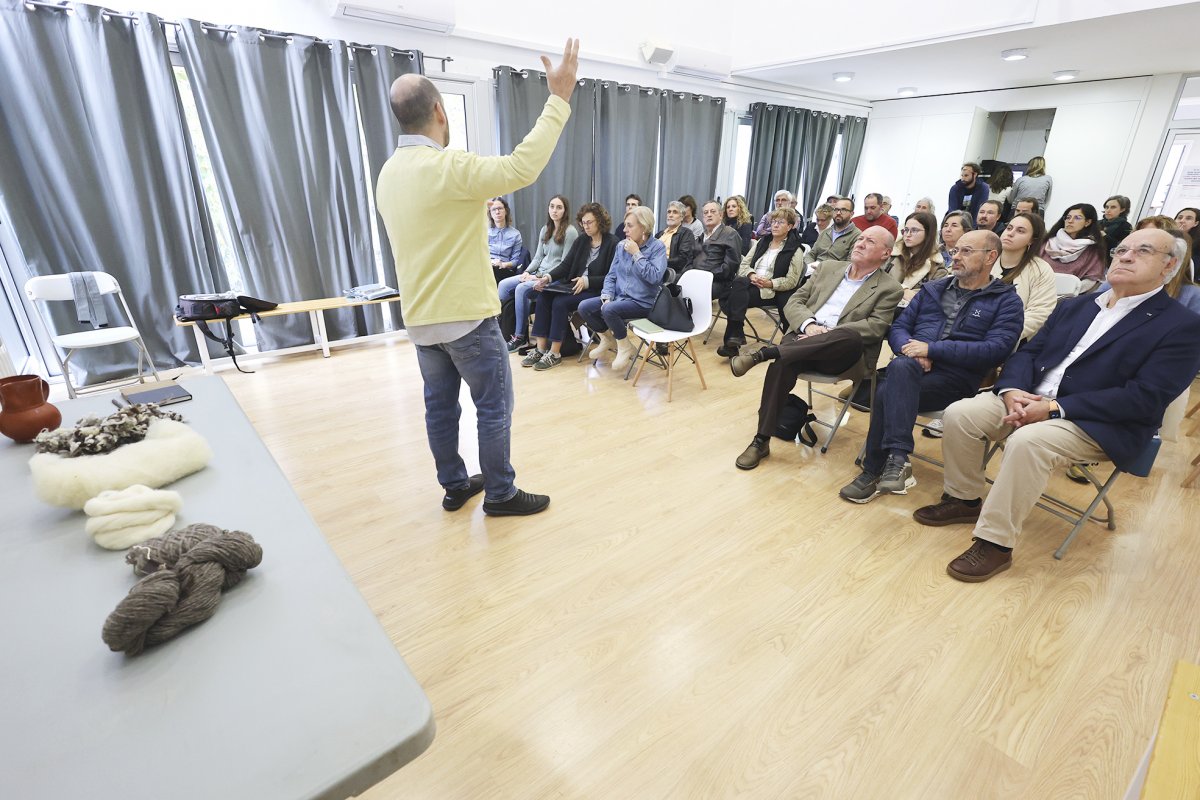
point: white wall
(1104, 141)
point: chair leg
(837, 422)
(641, 343)
(691, 349)
(149, 361)
(1101, 497)
(641, 366)
(712, 325)
(1193, 475)
(65, 364)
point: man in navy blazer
(1092, 385)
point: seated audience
(737, 218)
(954, 225)
(767, 277)
(719, 251)
(838, 318)
(1182, 287)
(1034, 183)
(584, 270)
(691, 218)
(1116, 220)
(1020, 265)
(632, 283)
(968, 192)
(1027, 205)
(926, 204)
(834, 243)
(632, 201)
(824, 217)
(676, 237)
(783, 199)
(873, 214)
(886, 204)
(989, 217)
(1000, 188)
(554, 240)
(1075, 246)
(504, 240)
(1186, 219)
(915, 258)
(1130, 351)
(953, 333)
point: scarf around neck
(1065, 249)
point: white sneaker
(625, 353)
(606, 341)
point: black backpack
(204, 308)
(795, 422)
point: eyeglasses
(1141, 251)
(843, 211)
(911, 231)
(967, 252)
(1075, 218)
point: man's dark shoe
(457, 498)
(728, 350)
(981, 561)
(897, 477)
(862, 489)
(740, 365)
(756, 452)
(515, 343)
(949, 511)
(519, 505)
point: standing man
(834, 243)
(874, 214)
(968, 193)
(429, 199)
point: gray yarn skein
(184, 572)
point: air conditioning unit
(436, 16)
(704, 64)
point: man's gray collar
(416, 140)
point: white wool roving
(121, 518)
(170, 451)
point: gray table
(291, 690)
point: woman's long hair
(1038, 234)
(508, 222)
(1093, 231)
(1001, 178)
(743, 213)
(912, 260)
(557, 229)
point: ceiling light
(1016, 54)
(843, 77)
(906, 91)
(1066, 75)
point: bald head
(413, 100)
(974, 256)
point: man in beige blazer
(839, 316)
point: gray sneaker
(864, 489)
(897, 477)
(532, 358)
(548, 361)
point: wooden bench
(316, 317)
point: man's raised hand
(561, 78)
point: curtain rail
(262, 34)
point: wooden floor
(675, 627)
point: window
(835, 172)
(741, 156)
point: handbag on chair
(670, 311)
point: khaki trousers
(1030, 454)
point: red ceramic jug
(24, 412)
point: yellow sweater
(431, 202)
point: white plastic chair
(57, 288)
(1066, 285)
(695, 285)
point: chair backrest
(58, 287)
(696, 285)
(1066, 285)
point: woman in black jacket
(678, 239)
(578, 277)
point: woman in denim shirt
(504, 241)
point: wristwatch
(1056, 412)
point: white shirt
(1102, 324)
(829, 313)
(765, 266)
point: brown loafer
(981, 561)
(753, 454)
(948, 512)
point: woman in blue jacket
(630, 287)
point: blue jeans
(481, 359)
(906, 390)
(553, 310)
(518, 291)
(611, 316)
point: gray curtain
(816, 156)
(854, 130)
(375, 67)
(626, 145)
(776, 134)
(278, 116)
(520, 97)
(96, 170)
(690, 143)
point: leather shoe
(728, 350)
(981, 561)
(753, 454)
(457, 498)
(519, 505)
(740, 365)
(949, 511)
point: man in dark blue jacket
(1092, 385)
(969, 192)
(953, 332)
